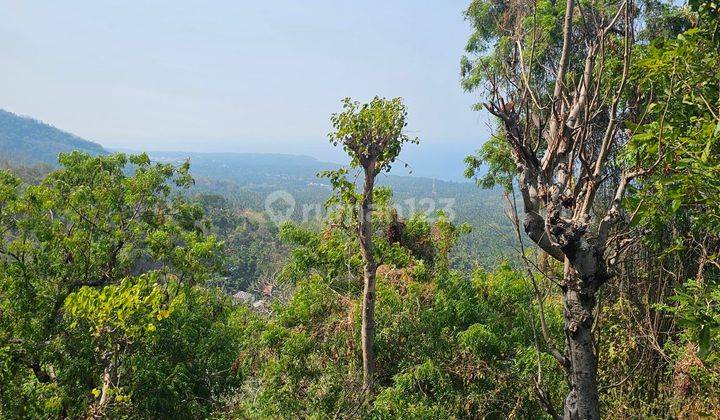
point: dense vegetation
(117, 272)
(606, 143)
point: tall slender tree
(372, 134)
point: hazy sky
(234, 75)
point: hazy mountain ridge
(30, 141)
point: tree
(97, 243)
(372, 135)
(118, 316)
(556, 78)
(677, 205)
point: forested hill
(31, 141)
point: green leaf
(704, 341)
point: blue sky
(259, 76)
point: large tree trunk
(368, 304)
(579, 302)
(585, 271)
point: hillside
(29, 141)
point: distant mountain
(29, 141)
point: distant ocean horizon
(443, 161)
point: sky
(239, 76)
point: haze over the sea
(241, 76)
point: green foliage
(329, 254)
(252, 251)
(496, 154)
(447, 345)
(681, 135)
(244, 181)
(122, 312)
(371, 131)
(94, 261)
(674, 207)
(104, 265)
(185, 367)
(698, 311)
(494, 23)
(681, 138)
